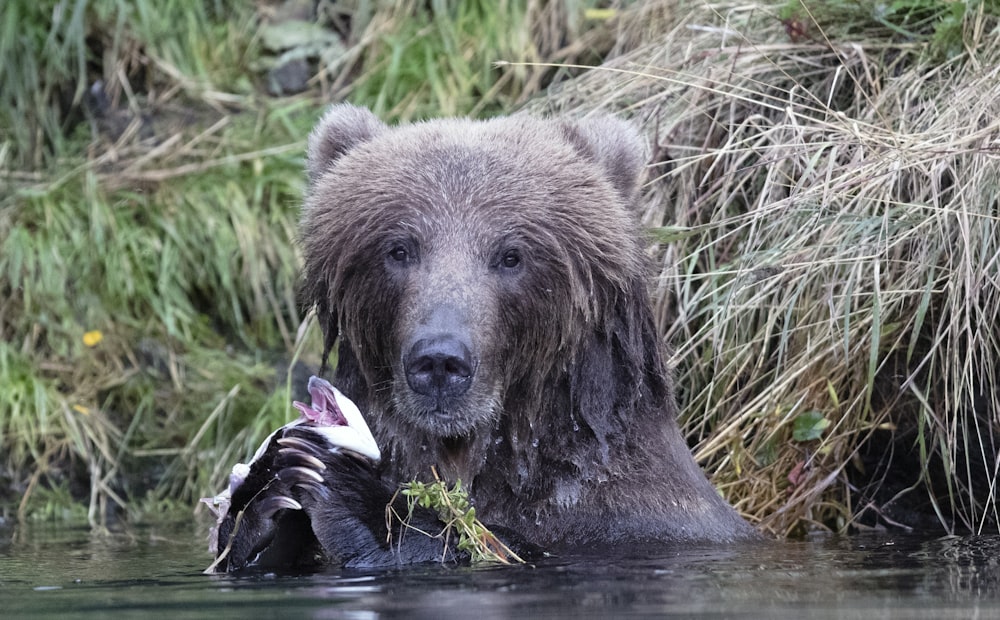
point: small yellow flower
(93, 338)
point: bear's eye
(399, 254)
(511, 259)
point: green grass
(441, 62)
(191, 285)
(437, 62)
(946, 27)
(53, 50)
(419, 60)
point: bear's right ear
(343, 127)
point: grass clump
(414, 59)
(148, 327)
(828, 238)
(149, 323)
(458, 516)
(52, 51)
(943, 25)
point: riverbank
(821, 201)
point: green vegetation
(130, 314)
(441, 62)
(52, 51)
(122, 292)
(459, 518)
(822, 209)
(947, 28)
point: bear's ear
(342, 128)
(614, 144)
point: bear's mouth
(439, 412)
(438, 417)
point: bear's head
(480, 275)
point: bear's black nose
(439, 366)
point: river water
(155, 572)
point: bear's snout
(439, 367)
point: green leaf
(809, 426)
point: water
(155, 572)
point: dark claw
(304, 445)
(270, 505)
(304, 479)
(300, 475)
(298, 458)
(317, 490)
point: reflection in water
(156, 572)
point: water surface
(155, 572)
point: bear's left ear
(614, 144)
(343, 127)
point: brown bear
(484, 285)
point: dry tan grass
(826, 218)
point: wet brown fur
(567, 434)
